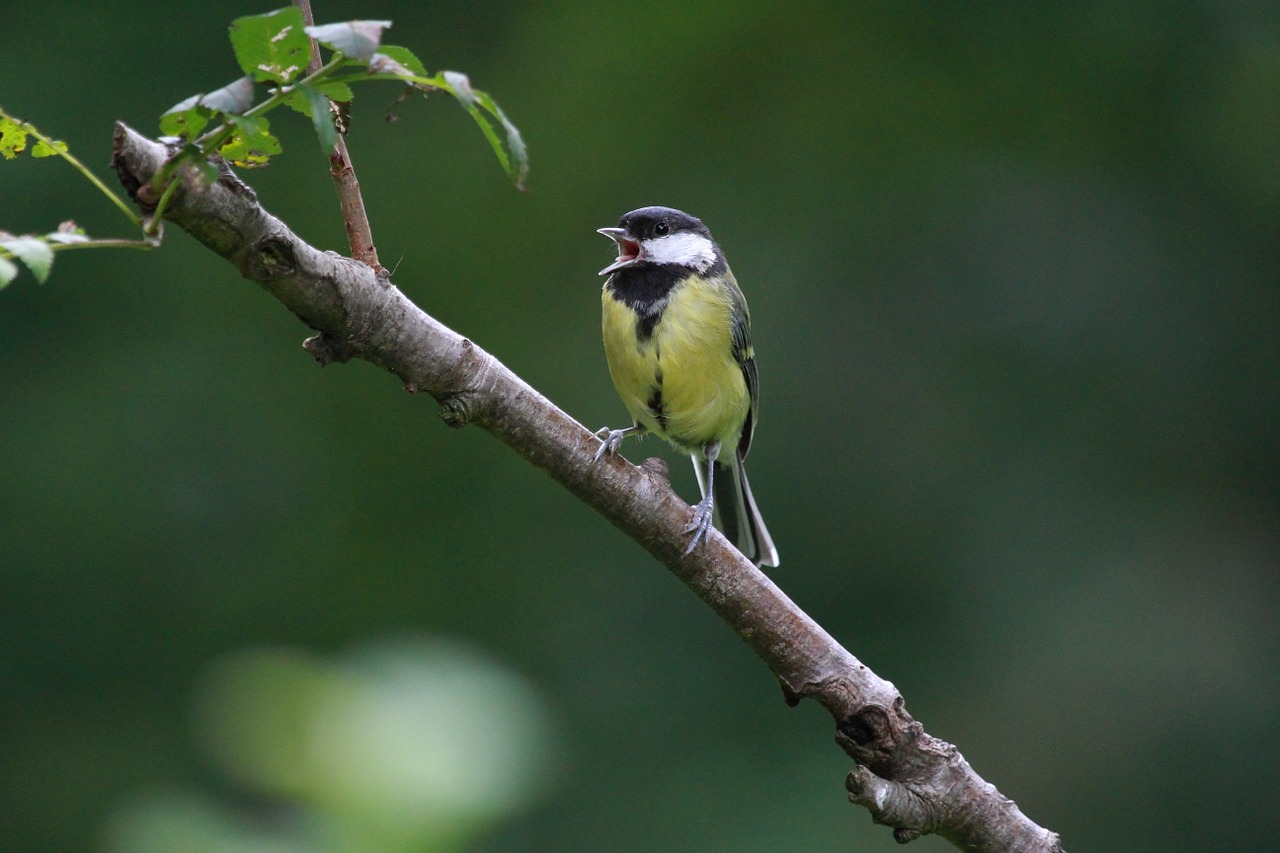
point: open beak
(628, 249)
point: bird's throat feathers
(703, 304)
(644, 288)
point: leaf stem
(106, 243)
(154, 223)
(436, 82)
(75, 162)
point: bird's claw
(610, 441)
(700, 524)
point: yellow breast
(681, 381)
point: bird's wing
(745, 356)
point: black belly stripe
(656, 407)
(645, 324)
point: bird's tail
(736, 513)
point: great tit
(677, 337)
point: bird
(677, 338)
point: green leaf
(185, 104)
(52, 148)
(14, 134)
(322, 118)
(403, 56)
(187, 123)
(250, 125)
(511, 152)
(272, 47)
(13, 138)
(461, 86)
(252, 145)
(189, 118)
(68, 232)
(8, 272)
(384, 66)
(518, 168)
(33, 252)
(61, 237)
(334, 90)
(235, 97)
(355, 39)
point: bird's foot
(701, 523)
(610, 441)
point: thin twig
(354, 217)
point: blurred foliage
(406, 745)
(1014, 279)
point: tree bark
(908, 779)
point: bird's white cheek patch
(687, 249)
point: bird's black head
(662, 236)
(649, 222)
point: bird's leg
(705, 510)
(611, 439)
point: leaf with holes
(271, 48)
(186, 123)
(52, 148)
(252, 145)
(13, 138)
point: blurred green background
(1015, 279)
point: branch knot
(327, 350)
(455, 410)
(274, 259)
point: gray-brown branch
(906, 778)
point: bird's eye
(661, 229)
